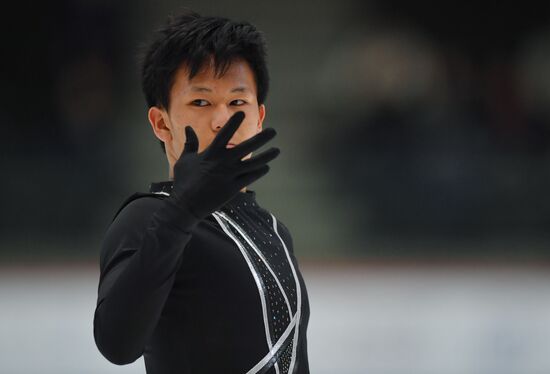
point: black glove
(205, 181)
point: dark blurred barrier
(407, 128)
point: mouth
(229, 145)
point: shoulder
(278, 227)
(136, 211)
(282, 231)
(139, 201)
(129, 223)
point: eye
(238, 102)
(199, 102)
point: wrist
(178, 214)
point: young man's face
(205, 103)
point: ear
(261, 117)
(158, 118)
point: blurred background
(414, 172)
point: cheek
(179, 138)
(250, 128)
(184, 119)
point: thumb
(191, 141)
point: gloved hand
(205, 181)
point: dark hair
(193, 40)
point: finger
(227, 131)
(252, 144)
(191, 141)
(260, 159)
(252, 176)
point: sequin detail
(274, 273)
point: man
(195, 275)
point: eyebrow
(206, 89)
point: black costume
(227, 297)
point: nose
(220, 117)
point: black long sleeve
(221, 295)
(141, 254)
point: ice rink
(365, 318)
